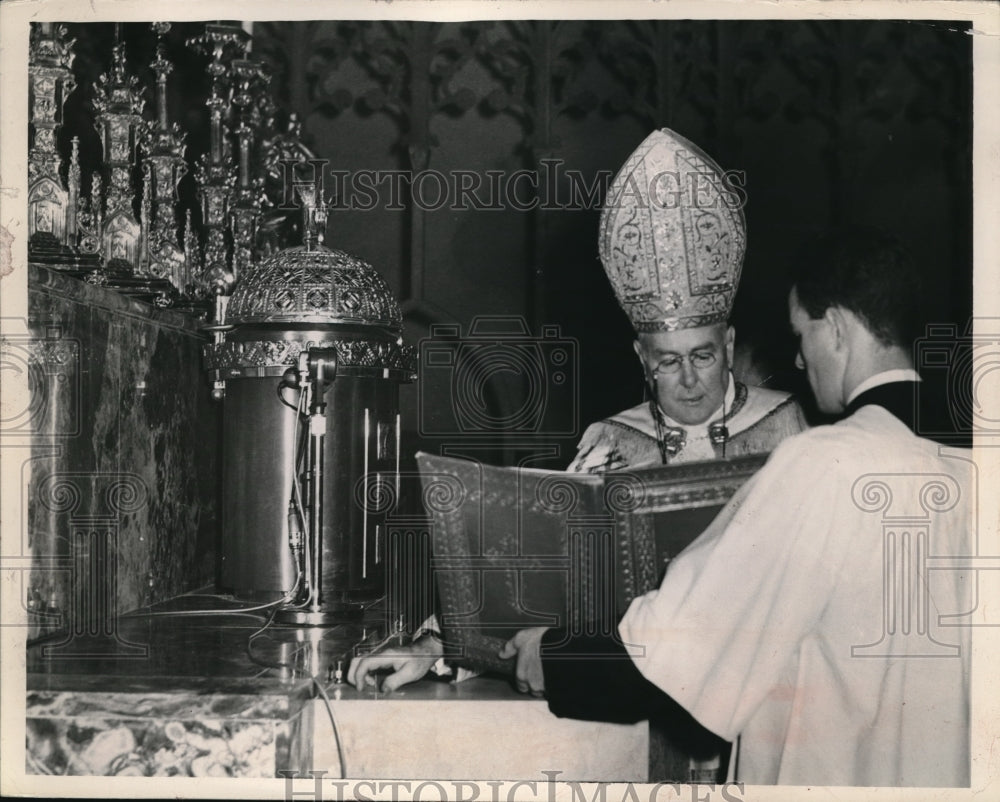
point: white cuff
(441, 667)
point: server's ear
(837, 319)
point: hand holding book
(526, 647)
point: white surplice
(763, 628)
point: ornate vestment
(760, 420)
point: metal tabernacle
(310, 371)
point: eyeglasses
(699, 361)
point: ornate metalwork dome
(345, 301)
(314, 285)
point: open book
(523, 547)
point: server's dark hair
(866, 271)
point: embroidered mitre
(672, 236)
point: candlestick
(163, 168)
(119, 103)
(215, 176)
(52, 215)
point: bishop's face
(688, 370)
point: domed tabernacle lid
(314, 285)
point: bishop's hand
(405, 664)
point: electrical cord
(231, 611)
(260, 632)
(204, 594)
(299, 502)
(333, 723)
(281, 397)
(257, 634)
(299, 511)
(287, 599)
(396, 633)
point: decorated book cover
(523, 547)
